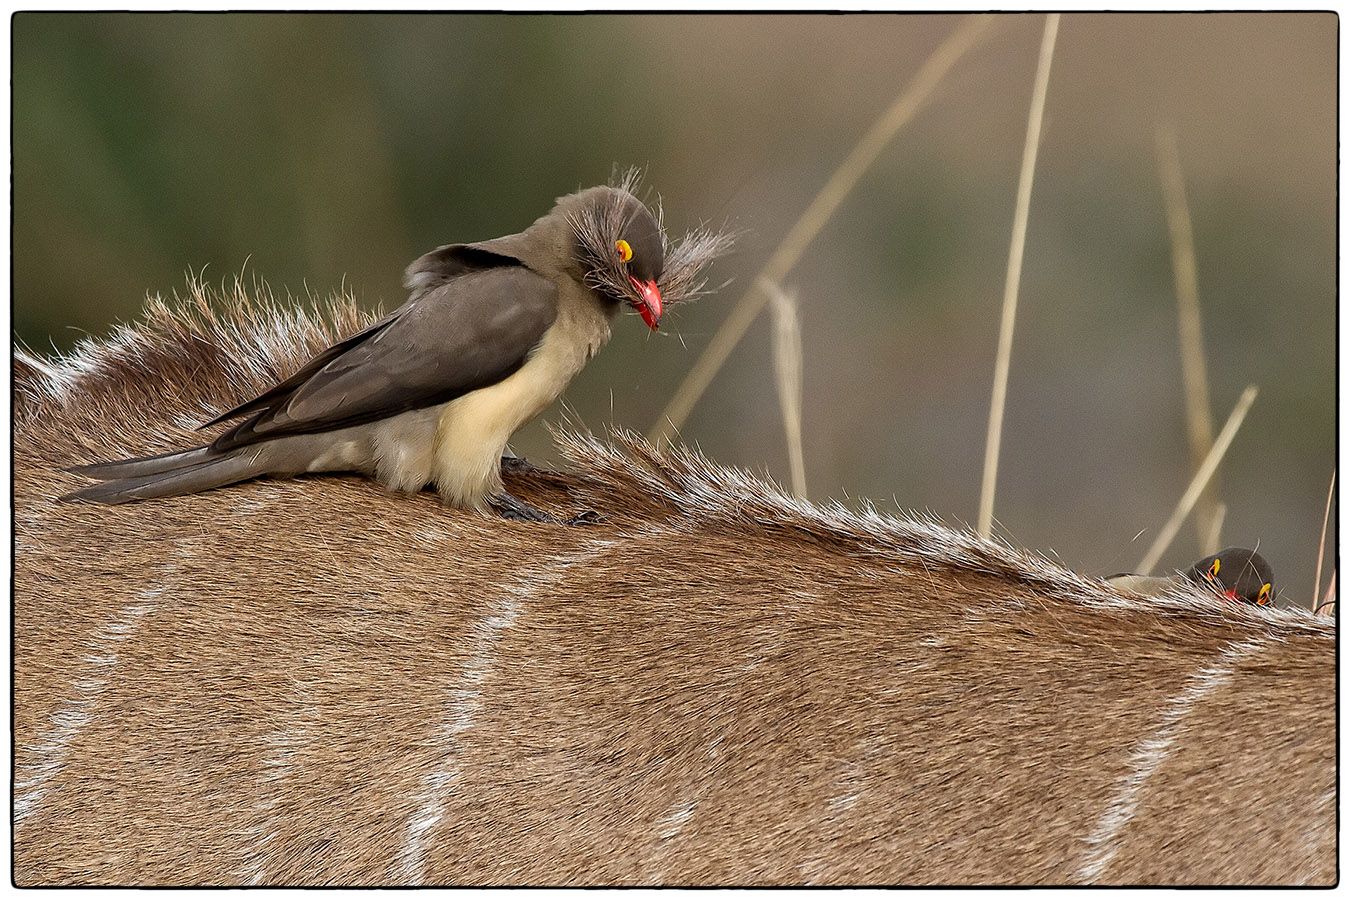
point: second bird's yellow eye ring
(625, 251)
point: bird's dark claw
(516, 464)
(517, 510)
(586, 517)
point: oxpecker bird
(490, 335)
(1236, 573)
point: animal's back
(315, 681)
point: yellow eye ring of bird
(625, 251)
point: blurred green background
(329, 150)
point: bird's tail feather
(137, 466)
(188, 478)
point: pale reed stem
(1321, 541)
(1212, 536)
(1198, 482)
(844, 179)
(787, 364)
(1015, 249)
(1329, 599)
(1195, 380)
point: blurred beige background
(324, 150)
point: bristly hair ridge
(148, 385)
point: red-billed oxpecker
(491, 334)
(1239, 574)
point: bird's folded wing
(466, 334)
(430, 270)
(265, 399)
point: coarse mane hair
(147, 386)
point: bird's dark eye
(625, 250)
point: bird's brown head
(1238, 574)
(623, 255)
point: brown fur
(317, 682)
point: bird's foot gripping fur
(517, 510)
(520, 464)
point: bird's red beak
(649, 304)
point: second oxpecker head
(1236, 573)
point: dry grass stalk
(1322, 541)
(1329, 599)
(1015, 250)
(1212, 537)
(840, 184)
(787, 367)
(1199, 421)
(1202, 476)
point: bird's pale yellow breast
(475, 428)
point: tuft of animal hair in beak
(649, 304)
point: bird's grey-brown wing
(425, 274)
(430, 270)
(263, 400)
(465, 334)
